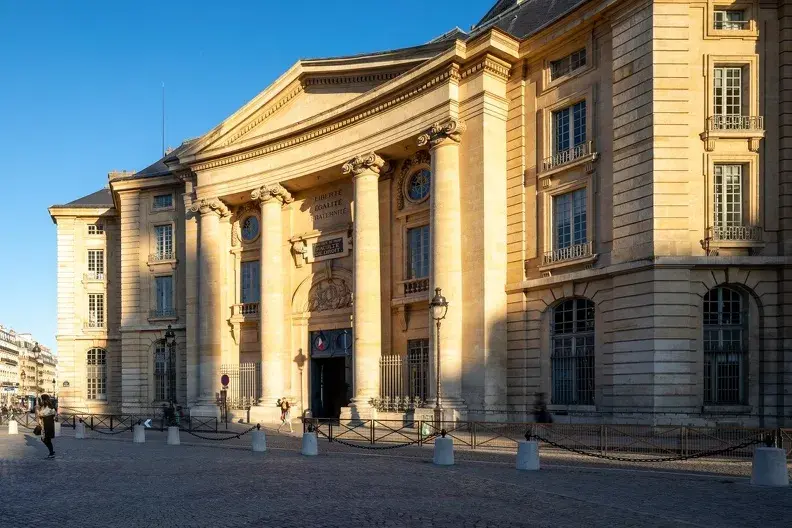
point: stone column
(446, 239)
(367, 318)
(210, 310)
(273, 354)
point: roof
(159, 167)
(523, 18)
(98, 199)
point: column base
(265, 413)
(205, 410)
(358, 411)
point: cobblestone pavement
(110, 481)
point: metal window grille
(164, 373)
(96, 310)
(728, 195)
(163, 201)
(419, 251)
(418, 368)
(96, 374)
(725, 350)
(96, 263)
(572, 355)
(568, 64)
(391, 377)
(419, 185)
(164, 294)
(569, 219)
(250, 282)
(244, 385)
(164, 237)
(728, 91)
(96, 229)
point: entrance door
(331, 371)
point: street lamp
(36, 352)
(439, 307)
(300, 360)
(170, 342)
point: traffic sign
(224, 379)
(147, 424)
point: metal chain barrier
(238, 435)
(124, 430)
(372, 447)
(701, 454)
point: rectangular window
(728, 199)
(730, 19)
(728, 91)
(418, 250)
(569, 128)
(96, 375)
(568, 64)
(164, 374)
(250, 282)
(96, 313)
(96, 264)
(96, 229)
(163, 201)
(164, 295)
(164, 237)
(418, 368)
(569, 219)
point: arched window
(164, 373)
(96, 375)
(725, 350)
(572, 353)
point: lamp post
(439, 307)
(22, 377)
(170, 342)
(36, 352)
(300, 360)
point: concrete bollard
(258, 441)
(79, 430)
(13, 427)
(57, 429)
(310, 444)
(444, 452)
(139, 434)
(769, 467)
(528, 455)
(173, 435)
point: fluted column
(446, 239)
(273, 355)
(210, 311)
(367, 318)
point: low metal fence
(604, 440)
(122, 422)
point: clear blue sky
(80, 88)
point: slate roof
(158, 168)
(99, 199)
(523, 19)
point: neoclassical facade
(602, 190)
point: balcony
(162, 257)
(732, 25)
(570, 157)
(569, 254)
(733, 240)
(94, 276)
(734, 127)
(245, 309)
(414, 286)
(94, 325)
(162, 313)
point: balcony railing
(94, 324)
(568, 253)
(735, 123)
(734, 25)
(162, 255)
(568, 156)
(413, 286)
(246, 308)
(162, 313)
(735, 233)
(94, 276)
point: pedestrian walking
(540, 412)
(285, 409)
(45, 414)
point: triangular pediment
(308, 90)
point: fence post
(473, 435)
(603, 441)
(372, 431)
(92, 424)
(420, 433)
(111, 422)
(329, 431)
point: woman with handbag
(46, 418)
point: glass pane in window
(561, 130)
(418, 251)
(250, 281)
(163, 201)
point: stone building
(602, 189)
(27, 369)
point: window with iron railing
(96, 264)
(728, 199)
(418, 259)
(96, 374)
(570, 226)
(96, 310)
(250, 282)
(731, 19)
(572, 353)
(163, 236)
(568, 136)
(725, 347)
(418, 368)
(164, 373)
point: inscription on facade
(328, 247)
(328, 205)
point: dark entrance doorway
(331, 371)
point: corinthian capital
(365, 162)
(440, 132)
(210, 205)
(268, 193)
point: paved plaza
(111, 482)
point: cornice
(292, 91)
(488, 64)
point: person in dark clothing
(45, 413)
(540, 412)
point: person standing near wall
(45, 413)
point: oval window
(250, 228)
(419, 184)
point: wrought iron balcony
(568, 156)
(413, 286)
(162, 313)
(577, 251)
(735, 123)
(160, 256)
(735, 234)
(94, 276)
(251, 308)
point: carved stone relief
(329, 294)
